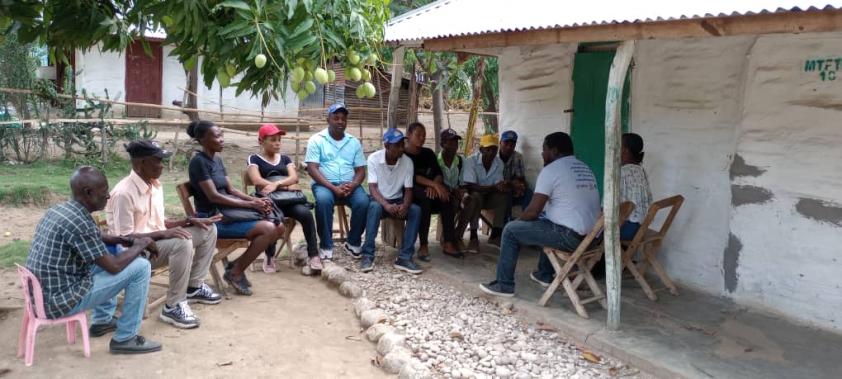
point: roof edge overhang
(811, 21)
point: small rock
(389, 342)
(338, 276)
(467, 373)
(374, 332)
(396, 360)
(371, 317)
(415, 370)
(363, 304)
(306, 271)
(350, 289)
(502, 372)
(528, 357)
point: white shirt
(390, 180)
(574, 198)
(634, 187)
(474, 172)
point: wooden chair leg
(662, 274)
(592, 283)
(288, 243)
(638, 276)
(548, 293)
(574, 297)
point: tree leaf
(237, 4)
(302, 27)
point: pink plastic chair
(33, 318)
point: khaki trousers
(476, 202)
(188, 259)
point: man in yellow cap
(483, 177)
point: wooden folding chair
(391, 232)
(289, 225)
(649, 241)
(586, 255)
(344, 226)
(224, 247)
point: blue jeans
(102, 298)
(628, 230)
(325, 201)
(376, 213)
(532, 233)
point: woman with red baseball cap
(272, 171)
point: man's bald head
(89, 187)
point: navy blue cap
(337, 107)
(393, 136)
(509, 135)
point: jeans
(102, 298)
(326, 200)
(376, 213)
(302, 214)
(532, 233)
(628, 230)
(447, 212)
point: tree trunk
(438, 105)
(190, 94)
(412, 108)
(394, 90)
(491, 106)
(476, 97)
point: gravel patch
(455, 335)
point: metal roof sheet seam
(449, 18)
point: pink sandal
(269, 265)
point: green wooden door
(590, 84)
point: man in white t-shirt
(564, 208)
(390, 177)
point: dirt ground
(293, 326)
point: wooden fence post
(611, 198)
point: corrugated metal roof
(449, 18)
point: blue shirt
(336, 159)
(474, 172)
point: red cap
(267, 130)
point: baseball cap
(146, 148)
(393, 135)
(508, 135)
(337, 107)
(448, 134)
(267, 130)
(488, 140)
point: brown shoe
(423, 253)
(449, 249)
(473, 246)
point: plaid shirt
(513, 168)
(66, 243)
(634, 187)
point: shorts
(229, 230)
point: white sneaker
(355, 251)
(325, 253)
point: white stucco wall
(751, 141)
(99, 71)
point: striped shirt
(64, 248)
(452, 175)
(634, 187)
(514, 167)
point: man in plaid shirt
(65, 249)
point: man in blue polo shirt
(336, 164)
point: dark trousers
(302, 214)
(429, 206)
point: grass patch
(14, 252)
(38, 183)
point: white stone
(389, 342)
(502, 372)
(350, 289)
(374, 332)
(363, 304)
(371, 317)
(396, 359)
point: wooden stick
(395, 91)
(611, 197)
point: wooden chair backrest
(626, 209)
(672, 203)
(185, 192)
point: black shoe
(407, 265)
(367, 264)
(134, 345)
(180, 316)
(240, 284)
(230, 266)
(204, 295)
(99, 330)
(356, 252)
(496, 289)
(536, 279)
(424, 258)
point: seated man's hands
(518, 187)
(147, 244)
(177, 232)
(502, 187)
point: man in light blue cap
(336, 164)
(514, 174)
(390, 178)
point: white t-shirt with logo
(391, 180)
(574, 198)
